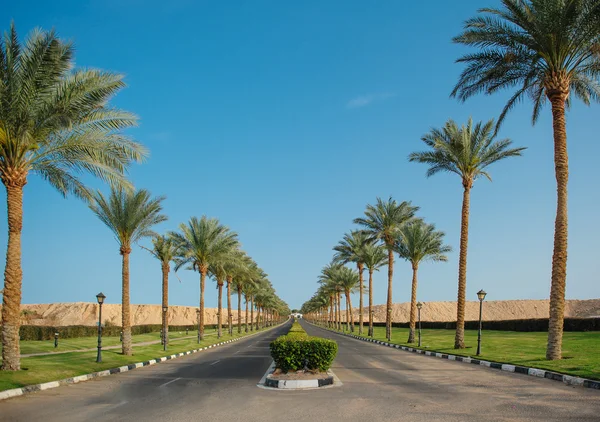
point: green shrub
(290, 351)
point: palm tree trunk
(239, 291)
(459, 339)
(388, 311)
(413, 305)
(229, 313)
(370, 301)
(246, 328)
(330, 321)
(360, 266)
(335, 315)
(220, 310)
(339, 298)
(165, 300)
(125, 312)
(349, 299)
(251, 313)
(203, 271)
(13, 277)
(559, 254)
(257, 317)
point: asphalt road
(379, 384)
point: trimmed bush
(290, 351)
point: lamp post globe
(481, 296)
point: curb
(270, 384)
(535, 372)
(86, 377)
(299, 384)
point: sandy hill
(82, 313)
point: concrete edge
(290, 385)
(536, 372)
(15, 392)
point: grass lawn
(41, 369)
(581, 350)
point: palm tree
(374, 257)
(548, 50)
(382, 222)
(350, 249)
(130, 215)
(466, 151)
(416, 242)
(55, 122)
(348, 281)
(217, 271)
(200, 243)
(164, 250)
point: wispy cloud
(365, 100)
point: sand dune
(82, 313)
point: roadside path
(118, 346)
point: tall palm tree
(200, 243)
(217, 271)
(374, 257)
(348, 281)
(55, 122)
(466, 151)
(416, 242)
(547, 50)
(164, 250)
(130, 215)
(382, 222)
(350, 249)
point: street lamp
(480, 295)
(389, 337)
(100, 297)
(198, 318)
(56, 340)
(419, 306)
(165, 337)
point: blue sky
(284, 119)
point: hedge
(35, 332)
(525, 325)
(290, 351)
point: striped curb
(130, 367)
(535, 372)
(270, 384)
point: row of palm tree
(546, 51)
(387, 223)
(56, 122)
(203, 245)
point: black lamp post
(56, 340)
(198, 318)
(390, 331)
(100, 297)
(419, 306)
(165, 337)
(480, 295)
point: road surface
(379, 384)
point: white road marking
(236, 352)
(169, 382)
(214, 363)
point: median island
(301, 361)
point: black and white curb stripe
(268, 383)
(74, 380)
(536, 372)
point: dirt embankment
(82, 313)
(492, 310)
